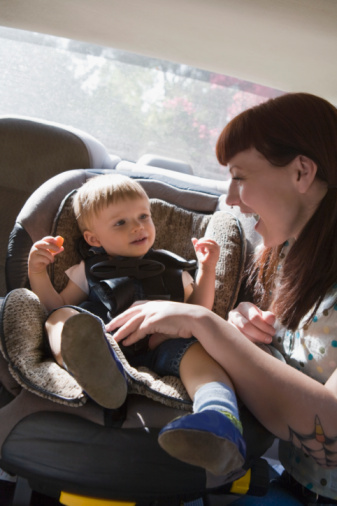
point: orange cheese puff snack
(59, 241)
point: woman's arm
(284, 400)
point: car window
(134, 105)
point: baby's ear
(91, 239)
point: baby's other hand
(207, 251)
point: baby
(113, 213)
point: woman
(282, 157)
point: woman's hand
(256, 325)
(174, 319)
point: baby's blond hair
(100, 191)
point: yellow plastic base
(241, 486)
(80, 500)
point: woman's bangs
(237, 136)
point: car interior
(142, 89)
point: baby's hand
(207, 251)
(43, 252)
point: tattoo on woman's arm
(318, 445)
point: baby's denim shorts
(165, 359)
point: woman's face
(260, 188)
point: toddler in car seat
(121, 268)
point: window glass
(132, 104)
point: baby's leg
(197, 368)
(211, 437)
(208, 384)
(54, 327)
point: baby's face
(124, 228)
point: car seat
(69, 452)
(60, 451)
